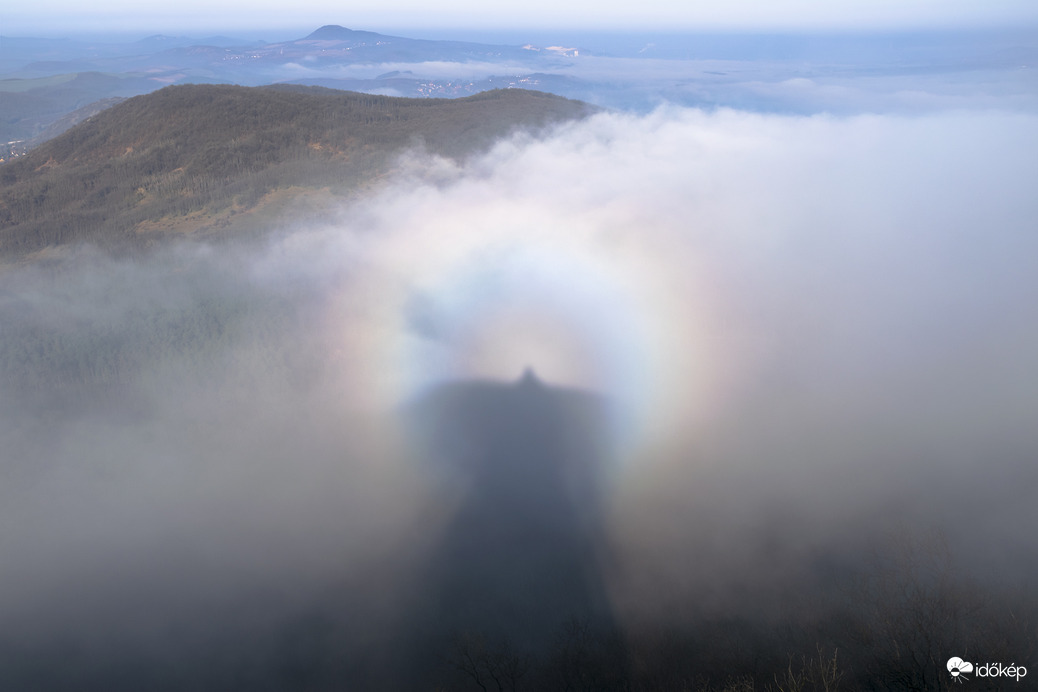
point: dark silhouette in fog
(523, 553)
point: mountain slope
(29, 106)
(189, 159)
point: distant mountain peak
(334, 32)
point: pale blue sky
(197, 17)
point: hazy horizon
(517, 34)
(742, 16)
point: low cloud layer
(812, 331)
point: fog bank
(813, 334)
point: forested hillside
(206, 158)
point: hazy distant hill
(206, 158)
(41, 80)
(340, 44)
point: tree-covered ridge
(190, 158)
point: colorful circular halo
(584, 303)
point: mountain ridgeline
(206, 159)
